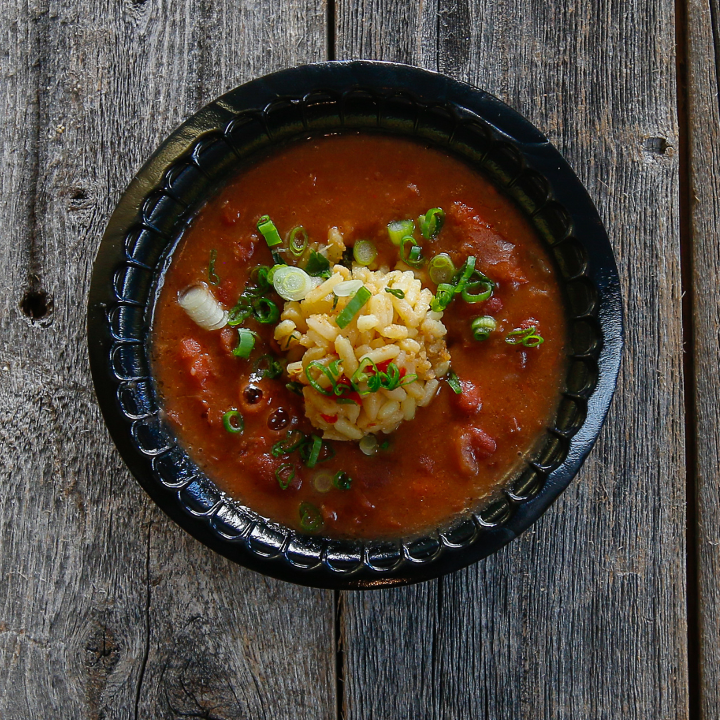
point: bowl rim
(427, 89)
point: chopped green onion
(454, 382)
(291, 283)
(360, 375)
(327, 371)
(482, 327)
(268, 367)
(240, 313)
(277, 258)
(464, 274)
(246, 343)
(525, 336)
(441, 269)
(310, 517)
(476, 281)
(289, 338)
(353, 307)
(285, 474)
(313, 451)
(323, 481)
(414, 257)
(317, 265)
(347, 258)
(342, 481)
(212, 275)
(265, 311)
(431, 223)
(364, 252)
(295, 387)
(347, 288)
(293, 440)
(385, 445)
(233, 421)
(368, 445)
(398, 229)
(397, 292)
(268, 230)
(259, 275)
(408, 379)
(443, 297)
(297, 247)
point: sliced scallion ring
(431, 223)
(398, 229)
(441, 269)
(246, 343)
(291, 283)
(347, 288)
(285, 474)
(310, 517)
(268, 230)
(364, 252)
(368, 445)
(233, 422)
(397, 292)
(341, 480)
(298, 240)
(323, 481)
(353, 307)
(454, 382)
(265, 311)
(413, 256)
(482, 327)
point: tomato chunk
(474, 445)
(468, 402)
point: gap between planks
(688, 331)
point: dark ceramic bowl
(189, 167)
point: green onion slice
(353, 307)
(259, 276)
(313, 451)
(292, 283)
(368, 445)
(285, 474)
(323, 481)
(240, 313)
(310, 517)
(265, 311)
(342, 481)
(396, 292)
(233, 422)
(331, 372)
(212, 275)
(295, 387)
(268, 367)
(347, 288)
(413, 257)
(443, 297)
(431, 223)
(298, 240)
(527, 337)
(246, 343)
(269, 231)
(441, 269)
(454, 382)
(398, 229)
(293, 440)
(482, 327)
(364, 252)
(464, 274)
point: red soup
(360, 337)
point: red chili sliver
(332, 419)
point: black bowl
(188, 168)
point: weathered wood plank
(584, 616)
(703, 32)
(106, 608)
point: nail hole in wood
(656, 145)
(37, 306)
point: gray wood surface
(704, 167)
(108, 610)
(585, 615)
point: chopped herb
(431, 223)
(268, 230)
(246, 343)
(482, 327)
(397, 292)
(267, 366)
(285, 474)
(212, 275)
(295, 387)
(265, 311)
(454, 382)
(525, 336)
(353, 307)
(412, 257)
(298, 241)
(342, 481)
(293, 440)
(317, 265)
(398, 229)
(310, 517)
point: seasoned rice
(405, 331)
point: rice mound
(404, 331)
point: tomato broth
(456, 451)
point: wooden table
(607, 608)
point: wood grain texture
(583, 616)
(703, 38)
(108, 610)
